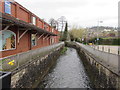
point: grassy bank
(64, 50)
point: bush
(101, 41)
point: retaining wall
(31, 73)
(109, 60)
(100, 76)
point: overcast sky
(84, 13)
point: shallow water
(68, 72)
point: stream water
(68, 72)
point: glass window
(33, 37)
(7, 7)
(34, 20)
(52, 30)
(45, 26)
(7, 40)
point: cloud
(82, 12)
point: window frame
(15, 41)
(35, 41)
(5, 7)
(34, 22)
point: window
(45, 26)
(7, 7)
(7, 40)
(34, 20)
(52, 30)
(33, 39)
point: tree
(77, 33)
(53, 22)
(61, 22)
(65, 34)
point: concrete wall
(30, 74)
(100, 76)
(109, 60)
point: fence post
(103, 48)
(118, 51)
(109, 50)
(17, 59)
(98, 47)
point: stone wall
(30, 75)
(100, 76)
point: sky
(83, 13)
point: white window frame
(33, 20)
(15, 40)
(52, 29)
(35, 41)
(5, 6)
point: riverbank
(100, 75)
(68, 72)
(29, 75)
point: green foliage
(105, 41)
(65, 34)
(60, 36)
(64, 50)
(76, 33)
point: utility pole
(98, 30)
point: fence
(106, 48)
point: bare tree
(52, 22)
(62, 22)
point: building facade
(21, 30)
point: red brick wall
(18, 11)
(24, 45)
(40, 24)
(23, 15)
(13, 10)
(1, 6)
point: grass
(64, 50)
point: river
(68, 72)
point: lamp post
(98, 30)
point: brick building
(21, 30)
